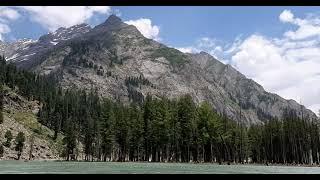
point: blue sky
(181, 25)
(278, 47)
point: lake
(14, 167)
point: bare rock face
(41, 149)
(20, 116)
(107, 55)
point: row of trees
(292, 140)
(160, 129)
(137, 81)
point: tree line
(159, 129)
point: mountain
(121, 63)
(24, 51)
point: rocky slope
(105, 56)
(16, 50)
(19, 116)
(25, 51)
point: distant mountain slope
(122, 64)
(24, 51)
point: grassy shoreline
(199, 163)
(85, 167)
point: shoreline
(201, 163)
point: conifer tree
(19, 143)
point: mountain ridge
(108, 54)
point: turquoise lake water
(52, 167)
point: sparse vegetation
(175, 57)
(134, 95)
(136, 81)
(100, 72)
(145, 42)
(72, 72)
(1, 150)
(8, 137)
(1, 101)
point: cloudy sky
(279, 47)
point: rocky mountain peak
(9, 49)
(113, 20)
(62, 33)
(25, 49)
(112, 23)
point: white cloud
(3, 30)
(205, 44)
(53, 17)
(303, 32)
(315, 108)
(286, 16)
(308, 27)
(189, 49)
(230, 48)
(117, 12)
(288, 66)
(6, 15)
(146, 28)
(218, 48)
